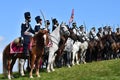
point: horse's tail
(4, 63)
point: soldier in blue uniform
(55, 23)
(38, 26)
(26, 33)
(47, 24)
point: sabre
(43, 17)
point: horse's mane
(39, 38)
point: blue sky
(96, 13)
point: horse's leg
(49, 60)
(8, 67)
(12, 64)
(73, 58)
(22, 61)
(37, 67)
(77, 60)
(68, 58)
(53, 60)
(32, 62)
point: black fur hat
(37, 18)
(54, 21)
(27, 15)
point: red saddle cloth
(14, 48)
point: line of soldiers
(92, 34)
(27, 31)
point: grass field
(101, 70)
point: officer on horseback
(55, 23)
(74, 27)
(38, 26)
(117, 34)
(92, 34)
(100, 33)
(105, 30)
(26, 33)
(47, 24)
(83, 33)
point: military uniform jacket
(37, 27)
(26, 28)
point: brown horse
(9, 57)
(41, 40)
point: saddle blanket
(15, 49)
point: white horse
(76, 47)
(55, 38)
(68, 51)
(83, 50)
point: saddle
(15, 48)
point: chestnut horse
(41, 40)
(9, 57)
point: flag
(72, 17)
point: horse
(83, 50)
(110, 46)
(55, 39)
(91, 51)
(41, 40)
(60, 56)
(68, 46)
(10, 53)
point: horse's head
(64, 29)
(72, 34)
(43, 36)
(19, 41)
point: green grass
(102, 70)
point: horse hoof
(69, 66)
(12, 77)
(9, 77)
(22, 74)
(38, 76)
(31, 76)
(53, 70)
(84, 62)
(48, 71)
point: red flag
(72, 17)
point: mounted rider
(105, 30)
(38, 26)
(100, 33)
(92, 34)
(26, 33)
(47, 24)
(55, 23)
(83, 33)
(117, 34)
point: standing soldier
(38, 26)
(26, 31)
